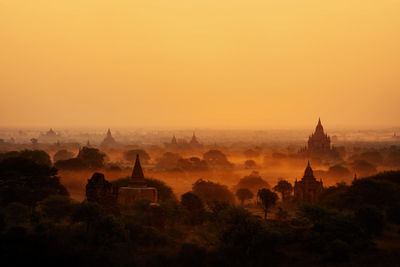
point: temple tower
(308, 189)
(137, 187)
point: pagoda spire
(137, 178)
(137, 169)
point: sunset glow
(243, 64)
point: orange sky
(199, 63)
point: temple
(319, 145)
(182, 144)
(49, 136)
(137, 187)
(308, 189)
(108, 140)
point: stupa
(137, 187)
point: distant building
(308, 188)
(194, 142)
(99, 190)
(137, 187)
(182, 144)
(49, 137)
(395, 136)
(173, 141)
(108, 141)
(319, 145)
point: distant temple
(319, 145)
(194, 142)
(108, 141)
(173, 141)
(395, 136)
(137, 187)
(182, 144)
(308, 189)
(49, 137)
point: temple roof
(308, 173)
(319, 127)
(194, 139)
(137, 169)
(137, 175)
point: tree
(87, 212)
(56, 207)
(244, 194)
(22, 180)
(38, 156)
(209, 191)
(194, 207)
(216, 158)
(130, 155)
(268, 199)
(285, 188)
(168, 161)
(63, 154)
(370, 219)
(250, 164)
(254, 182)
(91, 157)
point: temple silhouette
(137, 187)
(319, 145)
(308, 188)
(109, 140)
(182, 144)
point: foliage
(57, 207)
(244, 194)
(285, 188)
(22, 180)
(39, 157)
(63, 155)
(92, 158)
(209, 191)
(268, 199)
(254, 182)
(194, 208)
(217, 159)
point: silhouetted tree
(216, 158)
(209, 191)
(91, 157)
(63, 154)
(168, 161)
(250, 164)
(22, 180)
(38, 156)
(268, 199)
(56, 207)
(87, 212)
(254, 182)
(194, 207)
(370, 219)
(244, 194)
(285, 188)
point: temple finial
(137, 169)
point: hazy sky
(199, 63)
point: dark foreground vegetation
(40, 225)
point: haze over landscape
(202, 133)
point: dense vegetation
(41, 225)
